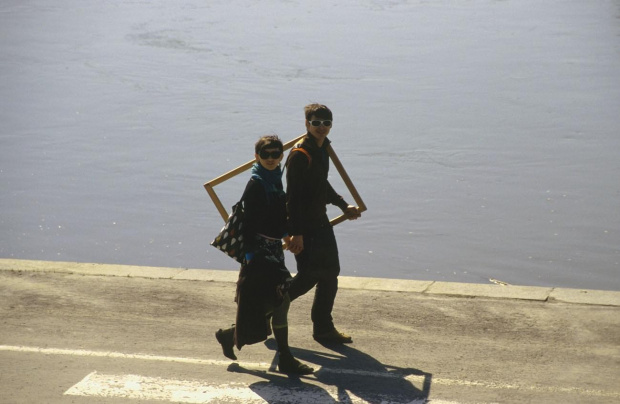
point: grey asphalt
(96, 333)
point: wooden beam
(332, 155)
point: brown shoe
(226, 338)
(334, 337)
(288, 364)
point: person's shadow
(354, 375)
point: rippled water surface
(482, 136)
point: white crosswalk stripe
(195, 391)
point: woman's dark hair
(268, 141)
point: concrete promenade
(95, 333)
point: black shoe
(334, 337)
(288, 364)
(227, 341)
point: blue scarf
(271, 180)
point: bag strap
(300, 149)
(304, 151)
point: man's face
(319, 132)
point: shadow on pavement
(281, 388)
(354, 374)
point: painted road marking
(414, 379)
(119, 355)
(195, 391)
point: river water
(482, 135)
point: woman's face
(267, 157)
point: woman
(262, 289)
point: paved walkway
(95, 333)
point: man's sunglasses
(318, 123)
(264, 154)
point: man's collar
(312, 140)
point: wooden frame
(332, 155)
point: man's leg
(318, 264)
(305, 279)
(326, 253)
(324, 330)
(323, 304)
(301, 283)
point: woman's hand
(296, 244)
(286, 240)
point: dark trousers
(318, 265)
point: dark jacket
(262, 216)
(308, 192)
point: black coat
(259, 281)
(308, 191)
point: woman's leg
(279, 324)
(286, 362)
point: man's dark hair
(318, 110)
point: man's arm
(297, 164)
(350, 211)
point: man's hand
(352, 213)
(296, 244)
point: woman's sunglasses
(264, 154)
(318, 123)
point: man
(312, 237)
